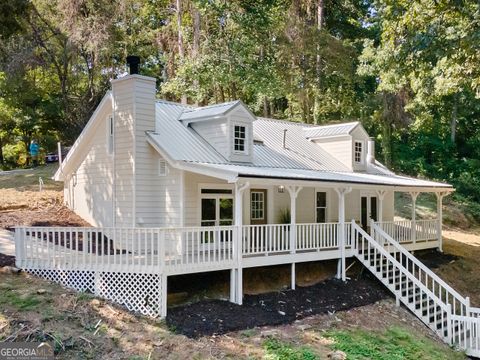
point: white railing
(466, 334)
(266, 239)
(317, 236)
(402, 283)
(407, 231)
(440, 288)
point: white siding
(242, 117)
(338, 147)
(215, 132)
(359, 134)
(88, 190)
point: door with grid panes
(258, 206)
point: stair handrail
(463, 300)
(408, 274)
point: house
(174, 189)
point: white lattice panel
(77, 280)
(137, 292)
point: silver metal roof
(300, 158)
(316, 132)
(208, 111)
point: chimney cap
(133, 61)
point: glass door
(368, 210)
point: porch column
(381, 196)
(236, 274)
(293, 192)
(440, 196)
(341, 231)
(414, 195)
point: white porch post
(236, 274)
(414, 195)
(341, 231)
(381, 196)
(293, 192)
(440, 196)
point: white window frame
(245, 139)
(362, 151)
(252, 192)
(110, 135)
(321, 207)
(217, 204)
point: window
(162, 167)
(358, 154)
(216, 207)
(110, 129)
(257, 205)
(321, 207)
(239, 134)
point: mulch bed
(434, 259)
(7, 260)
(207, 318)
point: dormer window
(239, 136)
(358, 153)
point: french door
(368, 209)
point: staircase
(433, 301)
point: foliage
(408, 70)
(285, 216)
(277, 350)
(394, 343)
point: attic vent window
(239, 134)
(358, 155)
(162, 167)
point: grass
(28, 179)
(393, 344)
(278, 350)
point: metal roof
(316, 132)
(299, 159)
(208, 111)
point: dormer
(349, 143)
(228, 127)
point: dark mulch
(434, 259)
(210, 317)
(7, 260)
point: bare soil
(280, 307)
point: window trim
(245, 139)
(214, 196)
(162, 163)
(362, 151)
(321, 207)
(260, 202)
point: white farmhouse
(173, 189)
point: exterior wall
(89, 189)
(215, 132)
(240, 116)
(338, 147)
(359, 134)
(192, 183)
(134, 113)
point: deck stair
(434, 302)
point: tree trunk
(387, 143)
(318, 68)
(2, 160)
(181, 51)
(266, 108)
(453, 124)
(196, 43)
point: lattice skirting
(136, 291)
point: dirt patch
(433, 259)
(218, 317)
(33, 208)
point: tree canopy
(408, 70)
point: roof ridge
(338, 124)
(163, 101)
(192, 109)
(284, 121)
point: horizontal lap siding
(124, 153)
(89, 191)
(215, 133)
(340, 148)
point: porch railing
(408, 231)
